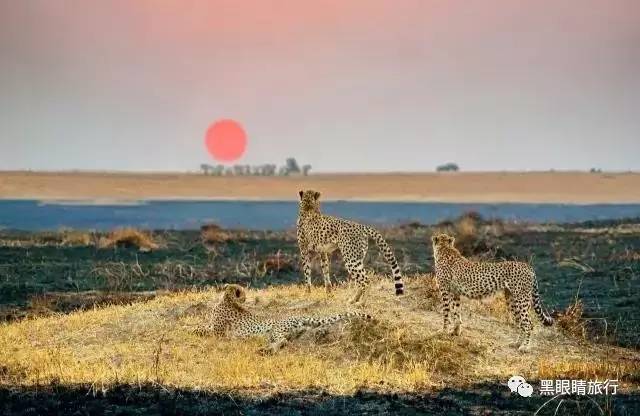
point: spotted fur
(230, 319)
(323, 234)
(458, 276)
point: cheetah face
(309, 200)
(440, 240)
(235, 293)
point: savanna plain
(102, 323)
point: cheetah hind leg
(356, 271)
(361, 289)
(326, 272)
(524, 322)
(357, 298)
(511, 304)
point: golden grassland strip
(401, 350)
(533, 187)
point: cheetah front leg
(326, 272)
(277, 340)
(306, 268)
(446, 297)
(305, 257)
(457, 320)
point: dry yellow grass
(571, 322)
(466, 226)
(129, 237)
(76, 238)
(213, 233)
(279, 262)
(629, 255)
(401, 350)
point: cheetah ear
(301, 193)
(238, 292)
(434, 238)
(227, 290)
(451, 240)
(316, 195)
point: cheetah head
(235, 293)
(309, 200)
(440, 240)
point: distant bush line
(290, 167)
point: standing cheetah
(230, 318)
(457, 276)
(323, 234)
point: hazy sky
(343, 85)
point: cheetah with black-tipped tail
(230, 318)
(456, 276)
(323, 234)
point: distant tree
(448, 167)
(283, 171)
(292, 165)
(595, 170)
(205, 168)
(268, 169)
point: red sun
(226, 140)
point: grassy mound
(129, 237)
(400, 350)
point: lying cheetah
(230, 318)
(323, 234)
(457, 276)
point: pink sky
(344, 86)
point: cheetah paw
(442, 331)
(268, 350)
(357, 302)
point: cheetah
(458, 276)
(323, 234)
(230, 318)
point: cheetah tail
(389, 258)
(537, 306)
